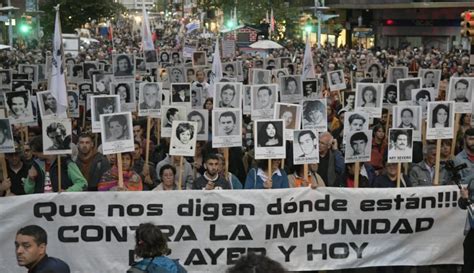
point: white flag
(308, 67)
(216, 73)
(146, 33)
(58, 78)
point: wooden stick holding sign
(437, 164)
(356, 174)
(59, 174)
(269, 170)
(399, 174)
(306, 176)
(147, 146)
(120, 170)
(3, 163)
(157, 132)
(180, 177)
(226, 160)
(456, 129)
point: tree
(75, 13)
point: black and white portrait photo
(123, 65)
(261, 76)
(140, 65)
(290, 88)
(190, 74)
(201, 117)
(22, 85)
(336, 80)
(101, 83)
(312, 89)
(390, 94)
(315, 115)
(356, 76)
(183, 138)
(170, 113)
(126, 92)
(197, 98)
(149, 99)
(356, 121)
(181, 94)
(271, 63)
(396, 73)
(176, 74)
(19, 107)
(348, 101)
(7, 145)
(269, 138)
(228, 95)
(117, 133)
(278, 73)
(151, 58)
(30, 70)
(199, 58)
(358, 146)
(263, 99)
(84, 89)
(284, 62)
(405, 88)
(400, 148)
(48, 106)
(87, 68)
(226, 128)
(165, 57)
(57, 136)
(291, 116)
(408, 117)
(421, 97)
(305, 147)
(5, 79)
(229, 70)
(176, 58)
(440, 120)
(460, 91)
(375, 71)
(369, 98)
(430, 78)
(103, 104)
(73, 103)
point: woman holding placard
(131, 180)
(257, 178)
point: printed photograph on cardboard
(460, 91)
(311, 89)
(290, 88)
(400, 148)
(199, 58)
(48, 106)
(183, 138)
(408, 117)
(305, 147)
(358, 146)
(170, 113)
(103, 104)
(261, 76)
(369, 98)
(149, 99)
(397, 72)
(440, 120)
(190, 74)
(7, 145)
(57, 136)
(73, 103)
(264, 97)
(181, 94)
(176, 74)
(226, 128)
(315, 115)
(19, 107)
(5, 80)
(291, 116)
(430, 78)
(421, 97)
(126, 92)
(336, 80)
(101, 83)
(123, 65)
(117, 133)
(376, 72)
(228, 95)
(405, 88)
(269, 138)
(356, 121)
(201, 117)
(30, 70)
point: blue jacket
(253, 181)
(160, 264)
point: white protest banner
(304, 229)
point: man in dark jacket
(91, 163)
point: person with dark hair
(104, 105)
(123, 90)
(313, 114)
(358, 142)
(422, 98)
(264, 98)
(308, 144)
(374, 72)
(400, 141)
(131, 180)
(227, 124)
(407, 119)
(167, 177)
(269, 136)
(30, 250)
(57, 134)
(117, 128)
(429, 79)
(151, 245)
(390, 94)
(181, 93)
(164, 57)
(227, 96)
(406, 87)
(291, 86)
(288, 114)
(43, 174)
(185, 133)
(397, 73)
(199, 119)
(440, 116)
(369, 96)
(50, 104)
(72, 101)
(18, 104)
(356, 122)
(254, 263)
(379, 148)
(123, 66)
(171, 114)
(257, 178)
(91, 163)
(211, 179)
(461, 88)
(229, 70)
(77, 71)
(5, 133)
(176, 58)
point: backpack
(157, 265)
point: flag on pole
(272, 21)
(147, 42)
(58, 78)
(266, 18)
(308, 66)
(216, 72)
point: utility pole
(319, 8)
